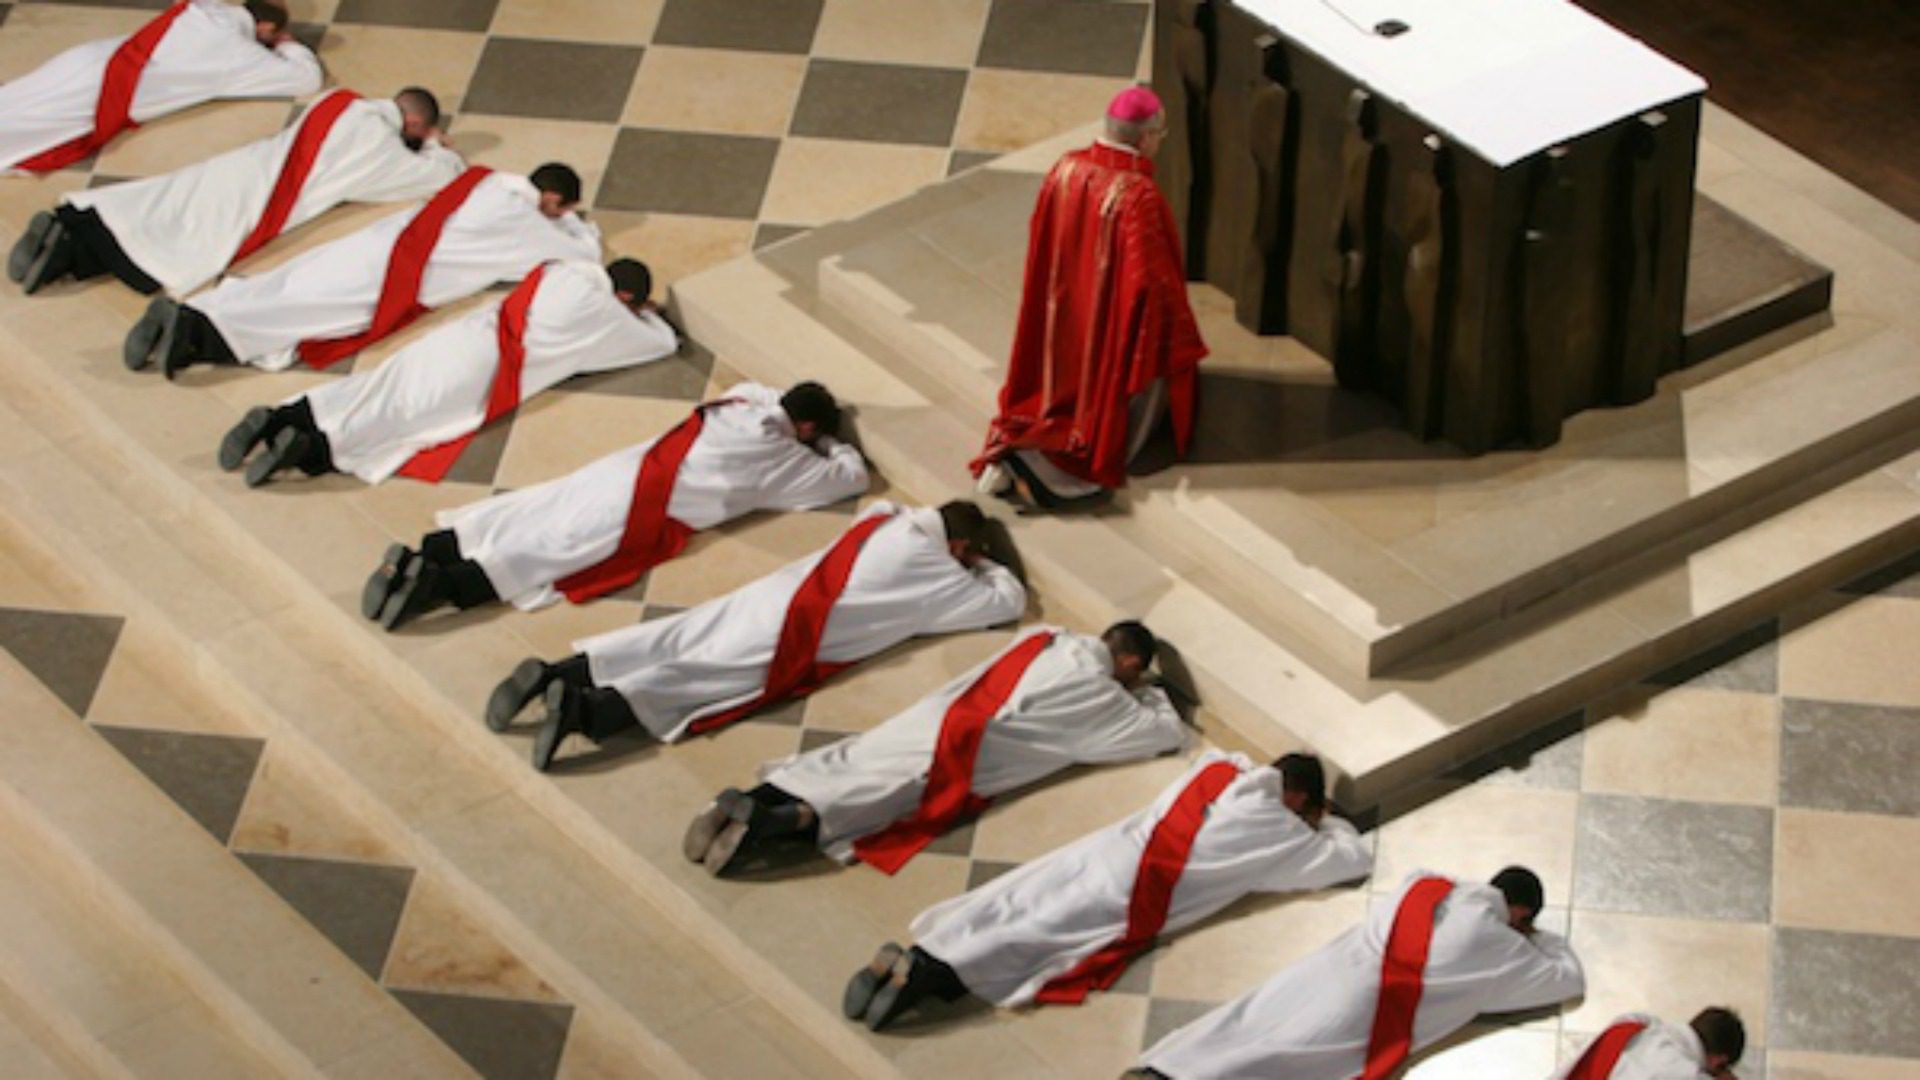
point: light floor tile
(1477, 1051)
(1475, 831)
(554, 434)
(1028, 824)
(1801, 1065)
(35, 32)
(1669, 967)
(382, 60)
(1011, 110)
(139, 692)
(1817, 850)
(608, 22)
(820, 180)
(1705, 745)
(721, 560)
(940, 33)
(674, 246)
(518, 144)
(1249, 942)
(1862, 653)
(190, 137)
(894, 680)
(440, 946)
(288, 813)
(735, 93)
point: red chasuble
(433, 463)
(113, 111)
(294, 171)
(796, 669)
(651, 537)
(399, 302)
(1598, 1062)
(1162, 862)
(949, 796)
(1104, 313)
(1401, 973)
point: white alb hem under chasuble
(712, 657)
(498, 234)
(1661, 1052)
(1312, 1021)
(209, 52)
(1066, 710)
(436, 389)
(745, 459)
(1009, 937)
(183, 227)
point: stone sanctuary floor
(244, 834)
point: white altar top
(1505, 78)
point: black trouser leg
(197, 339)
(96, 251)
(606, 713)
(464, 580)
(298, 415)
(936, 977)
(781, 815)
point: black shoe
(858, 995)
(51, 262)
(240, 439)
(562, 703)
(529, 678)
(418, 593)
(895, 994)
(735, 838)
(27, 248)
(153, 333)
(708, 823)
(286, 450)
(383, 581)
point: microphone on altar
(1386, 28)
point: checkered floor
(1730, 835)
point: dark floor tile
(99, 181)
(553, 80)
(1844, 993)
(499, 1038)
(888, 103)
(813, 739)
(682, 376)
(659, 611)
(984, 870)
(676, 172)
(1676, 859)
(1900, 578)
(791, 713)
(68, 653)
(760, 25)
(478, 463)
(309, 34)
(1168, 1015)
(955, 841)
(770, 233)
(963, 160)
(1750, 660)
(1836, 756)
(474, 15)
(1137, 979)
(1549, 758)
(207, 775)
(356, 905)
(1082, 37)
(4, 9)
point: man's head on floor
(419, 115)
(632, 282)
(1723, 1037)
(968, 535)
(1132, 647)
(812, 411)
(1303, 785)
(1525, 896)
(559, 188)
(270, 21)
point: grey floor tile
(4, 9)
(681, 377)
(67, 652)
(1750, 660)
(888, 103)
(1549, 758)
(759, 25)
(553, 80)
(963, 160)
(984, 870)
(1168, 1015)
(207, 775)
(356, 905)
(499, 1038)
(1674, 859)
(1845, 993)
(1081, 37)
(659, 611)
(677, 172)
(812, 739)
(770, 233)
(1900, 578)
(1137, 979)
(955, 841)
(1836, 756)
(479, 462)
(786, 714)
(420, 14)
(309, 34)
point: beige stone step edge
(48, 1025)
(113, 451)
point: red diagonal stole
(796, 669)
(1598, 1062)
(399, 302)
(433, 463)
(949, 796)
(1401, 973)
(1162, 862)
(651, 537)
(113, 109)
(301, 154)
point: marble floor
(1731, 832)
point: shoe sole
(394, 611)
(885, 1007)
(725, 846)
(866, 982)
(514, 693)
(701, 830)
(21, 257)
(284, 448)
(552, 728)
(382, 582)
(239, 441)
(36, 272)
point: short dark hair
(558, 179)
(1305, 774)
(419, 101)
(811, 402)
(631, 276)
(1131, 638)
(966, 523)
(1721, 1032)
(1522, 888)
(271, 12)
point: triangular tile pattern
(356, 905)
(207, 775)
(499, 1038)
(66, 651)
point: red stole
(796, 670)
(949, 796)
(433, 463)
(1162, 862)
(1401, 972)
(1598, 1062)
(399, 302)
(1103, 313)
(113, 110)
(650, 537)
(294, 171)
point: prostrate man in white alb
(1069, 922)
(894, 574)
(195, 51)
(329, 303)
(601, 527)
(179, 230)
(1642, 1047)
(416, 412)
(1049, 700)
(1420, 967)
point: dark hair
(631, 276)
(271, 12)
(559, 179)
(810, 402)
(1305, 774)
(1131, 638)
(1721, 1032)
(419, 101)
(966, 523)
(1522, 888)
